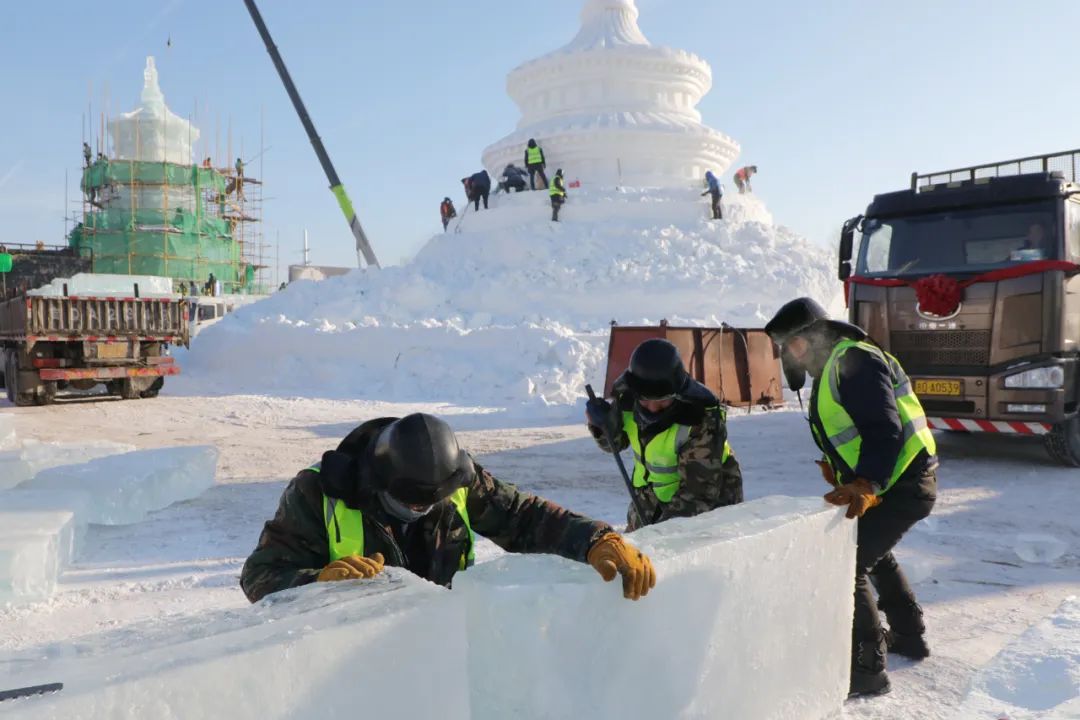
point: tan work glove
(611, 556)
(827, 472)
(859, 496)
(353, 567)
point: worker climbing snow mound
(515, 307)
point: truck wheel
(9, 378)
(1063, 442)
(154, 389)
(129, 389)
(46, 395)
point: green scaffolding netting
(177, 243)
(179, 256)
(128, 172)
(178, 220)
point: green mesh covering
(123, 172)
(176, 243)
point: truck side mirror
(847, 245)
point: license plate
(112, 351)
(938, 387)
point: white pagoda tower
(612, 109)
(152, 132)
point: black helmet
(532, 142)
(418, 461)
(559, 172)
(656, 371)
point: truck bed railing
(1067, 163)
(94, 318)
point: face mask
(400, 510)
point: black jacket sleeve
(866, 392)
(293, 547)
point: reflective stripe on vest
(842, 435)
(345, 526)
(535, 155)
(658, 465)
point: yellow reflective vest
(345, 527)
(841, 439)
(657, 464)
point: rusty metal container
(740, 365)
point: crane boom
(364, 253)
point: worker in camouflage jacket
(402, 492)
(683, 465)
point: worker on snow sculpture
(513, 178)
(742, 178)
(683, 465)
(401, 492)
(558, 194)
(880, 459)
(447, 212)
(536, 164)
(477, 187)
(716, 190)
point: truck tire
(1063, 442)
(11, 383)
(153, 390)
(9, 378)
(129, 389)
(46, 395)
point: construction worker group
(402, 492)
(515, 179)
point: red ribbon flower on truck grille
(938, 295)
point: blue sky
(833, 100)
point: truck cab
(971, 278)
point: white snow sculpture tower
(152, 132)
(612, 109)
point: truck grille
(946, 348)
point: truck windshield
(972, 240)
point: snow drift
(514, 307)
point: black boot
(868, 676)
(913, 647)
(906, 635)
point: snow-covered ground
(514, 307)
(980, 596)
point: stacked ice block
(43, 519)
(393, 647)
(751, 619)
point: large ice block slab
(19, 465)
(751, 618)
(119, 489)
(389, 648)
(1035, 676)
(34, 547)
(104, 285)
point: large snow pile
(514, 307)
(525, 636)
